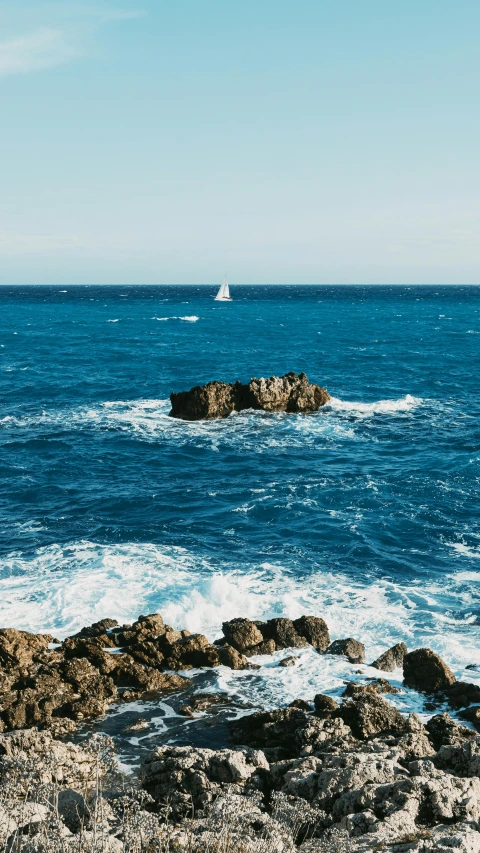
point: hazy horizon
(318, 142)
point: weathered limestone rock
(195, 776)
(289, 393)
(426, 671)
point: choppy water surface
(365, 513)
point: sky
(275, 141)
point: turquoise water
(365, 513)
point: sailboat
(223, 294)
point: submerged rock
(290, 393)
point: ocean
(365, 513)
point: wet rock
(374, 685)
(462, 693)
(289, 393)
(98, 628)
(283, 633)
(290, 661)
(472, 715)
(426, 671)
(192, 652)
(268, 647)
(443, 731)
(324, 705)
(301, 704)
(368, 715)
(315, 631)
(242, 634)
(232, 658)
(203, 702)
(392, 659)
(353, 650)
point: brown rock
(391, 659)
(315, 631)
(97, 628)
(424, 670)
(19, 649)
(443, 731)
(324, 705)
(242, 634)
(232, 658)
(290, 661)
(369, 715)
(374, 685)
(352, 649)
(283, 632)
(289, 393)
(194, 651)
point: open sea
(365, 513)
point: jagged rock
(269, 729)
(242, 634)
(324, 705)
(193, 651)
(315, 631)
(98, 628)
(392, 659)
(283, 633)
(374, 685)
(196, 775)
(368, 715)
(289, 393)
(352, 649)
(20, 649)
(290, 661)
(234, 659)
(443, 731)
(424, 670)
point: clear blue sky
(301, 141)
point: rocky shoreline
(354, 775)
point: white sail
(223, 292)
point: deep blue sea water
(366, 513)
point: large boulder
(289, 393)
(242, 634)
(315, 631)
(426, 671)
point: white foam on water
(60, 589)
(112, 321)
(380, 407)
(190, 319)
(465, 550)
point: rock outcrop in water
(290, 393)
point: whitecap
(61, 588)
(380, 407)
(112, 321)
